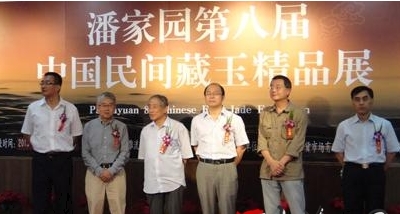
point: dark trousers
(363, 189)
(52, 173)
(166, 203)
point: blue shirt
(356, 139)
(98, 145)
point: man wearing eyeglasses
(52, 127)
(281, 136)
(105, 151)
(219, 139)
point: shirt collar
(288, 108)
(61, 104)
(106, 123)
(224, 112)
(166, 123)
(371, 118)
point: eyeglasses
(46, 83)
(213, 94)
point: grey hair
(107, 95)
(163, 99)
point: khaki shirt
(272, 137)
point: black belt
(217, 161)
(106, 165)
(52, 154)
(364, 165)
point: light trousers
(217, 182)
(96, 190)
(293, 191)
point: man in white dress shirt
(219, 139)
(165, 148)
(52, 126)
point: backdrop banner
(137, 49)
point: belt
(106, 165)
(364, 165)
(217, 161)
(52, 154)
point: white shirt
(42, 123)
(208, 135)
(164, 172)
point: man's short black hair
(286, 80)
(57, 77)
(359, 89)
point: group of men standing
(217, 138)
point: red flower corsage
(63, 119)
(228, 128)
(378, 137)
(289, 125)
(166, 140)
(116, 135)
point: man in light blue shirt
(365, 145)
(105, 151)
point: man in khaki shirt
(281, 137)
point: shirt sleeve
(392, 143)
(142, 144)
(184, 141)
(27, 125)
(76, 124)
(338, 142)
(193, 132)
(87, 156)
(262, 142)
(240, 132)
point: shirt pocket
(266, 130)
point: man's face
(156, 110)
(213, 96)
(48, 86)
(362, 103)
(106, 109)
(278, 91)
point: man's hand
(276, 168)
(106, 176)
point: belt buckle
(105, 165)
(217, 162)
(365, 165)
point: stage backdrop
(137, 49)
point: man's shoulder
(269, 108)
(201, 115)
(376, 117)
(299, 110)
(91, 122)
(67, 103)
(148, 126)
(119, 122)
(175, 122)
(36, 103)
(348, 120)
